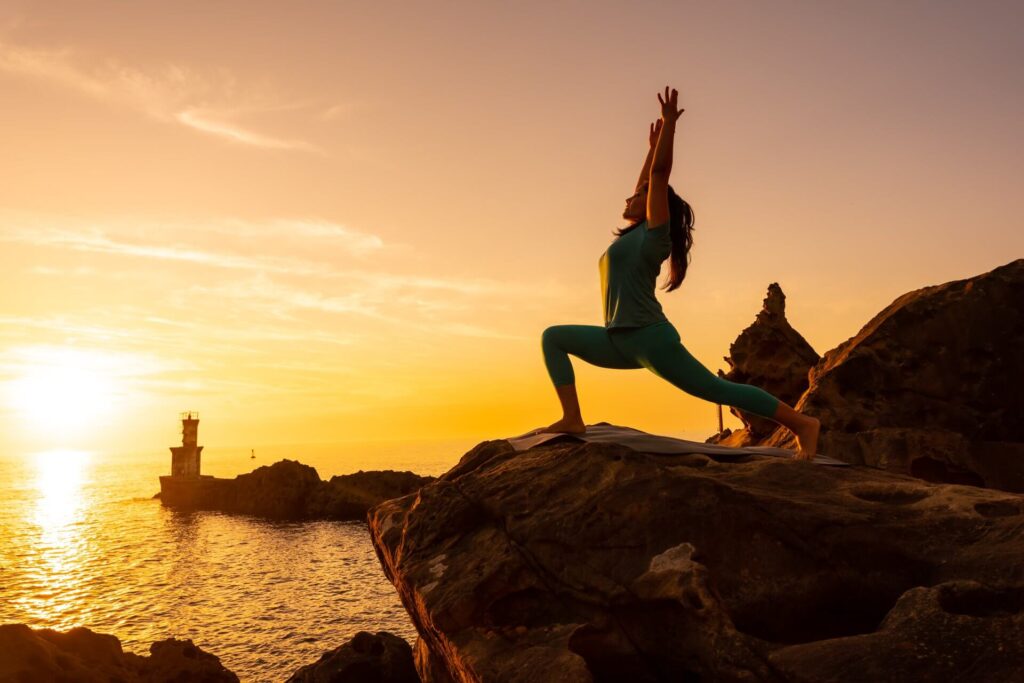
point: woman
(636, 333)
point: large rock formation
(593, 562)
(83, 656)
(290, 490)
(931, 385)
(367, 658)
(771, 355)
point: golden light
(60, 475)
(61, 547)
(61, 392)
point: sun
(62, 392)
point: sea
(84, 543)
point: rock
(83, 656)
(772, 355)
(289, 490)
(179, 660)
(367, 658)
(431, 669)
(931, 385)
(278, 491)
(926, 625)
(593, 562)
(349, 496)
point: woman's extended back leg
(664, 354)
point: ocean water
(83, 543)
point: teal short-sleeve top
(629, 269)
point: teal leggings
(655, 347)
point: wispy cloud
(139, 238)
(172, 93)
(95, 241)
(205, 121)
(137, 328)
(290, 272)
(410, 312)
(280, 300)
(144, 238)
(354, 241)
(337, 111)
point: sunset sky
(323, 222)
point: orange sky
(324, 222)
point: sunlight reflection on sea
(83, 543)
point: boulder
(83, 656)
(175, 660)
(366, 658)
(771, 355)
(594, 562)
(278, 491)
(931, 385)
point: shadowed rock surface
(83, 656)
(931, 386)
(367, 658)
(771, 355)
(592, 562)
(290, 490)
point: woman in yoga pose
(636, 333)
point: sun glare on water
(61, 392)
(59, 478)
(59, 546)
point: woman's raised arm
(645, 172)
(661, 166)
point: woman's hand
(655, 132)
(668, 106)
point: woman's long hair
(681, 232)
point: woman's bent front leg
(588, 342)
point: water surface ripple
(83, 543)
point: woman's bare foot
(807, 438)
(566, 426)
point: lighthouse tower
(185, 458)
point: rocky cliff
(593, 562)
(290, 490)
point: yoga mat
(603, 432)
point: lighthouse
(185, 458)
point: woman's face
(636, 205)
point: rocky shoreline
(290, 490)
(83, 656)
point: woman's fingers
(669, 96)
(669, 104)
